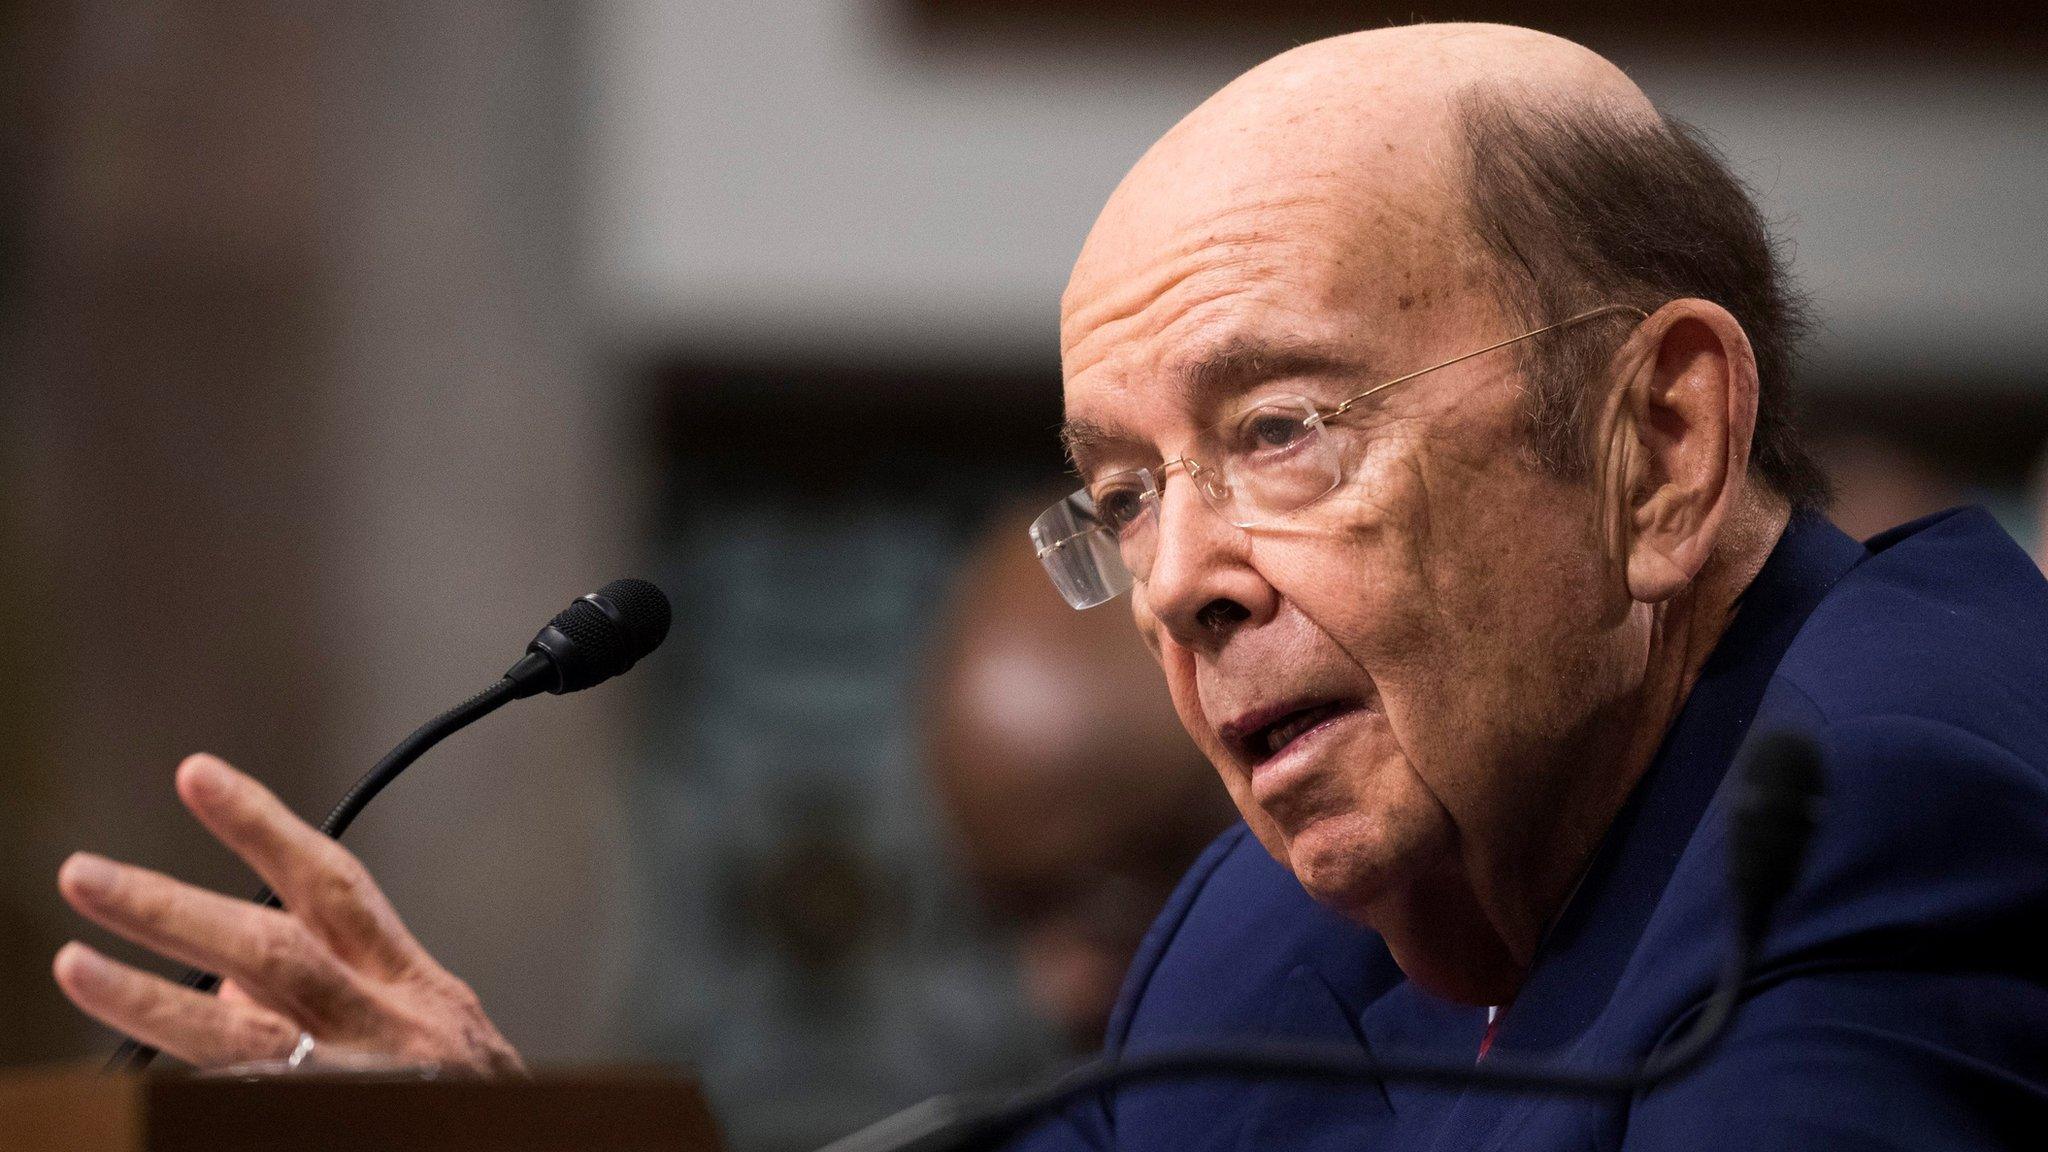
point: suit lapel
(1304, 1114)
(1408, 1021)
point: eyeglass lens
(1270, 460)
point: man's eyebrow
(1241, 363)
(1083, 438)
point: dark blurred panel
(807, 939)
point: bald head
(1350, 136)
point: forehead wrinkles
(1334, 238)
(1145, 338)
(1242, 245)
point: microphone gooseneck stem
(134, 1057)
(411, 748)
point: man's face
(1383, 678)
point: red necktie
(1492, 1030)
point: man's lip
(1284, 778)
(1245, 735)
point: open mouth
(1262, 735)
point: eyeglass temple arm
(1062, 542)
(1567, 322)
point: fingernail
(87, 873)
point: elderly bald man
(1430, 391)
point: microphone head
(596, 637)
(1776, 803)
(640, 608)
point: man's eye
(1271, 431)
(1117, 505)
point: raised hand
(335, 963)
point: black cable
(1501, 1073)
(134, 1057)
(981, 1121)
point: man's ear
(1689, 408)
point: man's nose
(1202, 586)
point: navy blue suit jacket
(1901, 1000)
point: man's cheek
(1148, 626)
(1181, 687)
(1238, 782)
(1364, 595)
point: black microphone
(1776, 802)
(592, 640)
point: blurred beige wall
(161, 346)
(302, 444)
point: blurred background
(341, 345)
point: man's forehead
(1192, 295)
(1250, 215)
(1343, 124)
(1174, 257)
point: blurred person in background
(2039, 502)
(1076, 798)
(1881, 482)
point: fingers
(274, 958)
(199, 1029)
(317, 879)
(335, 961)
